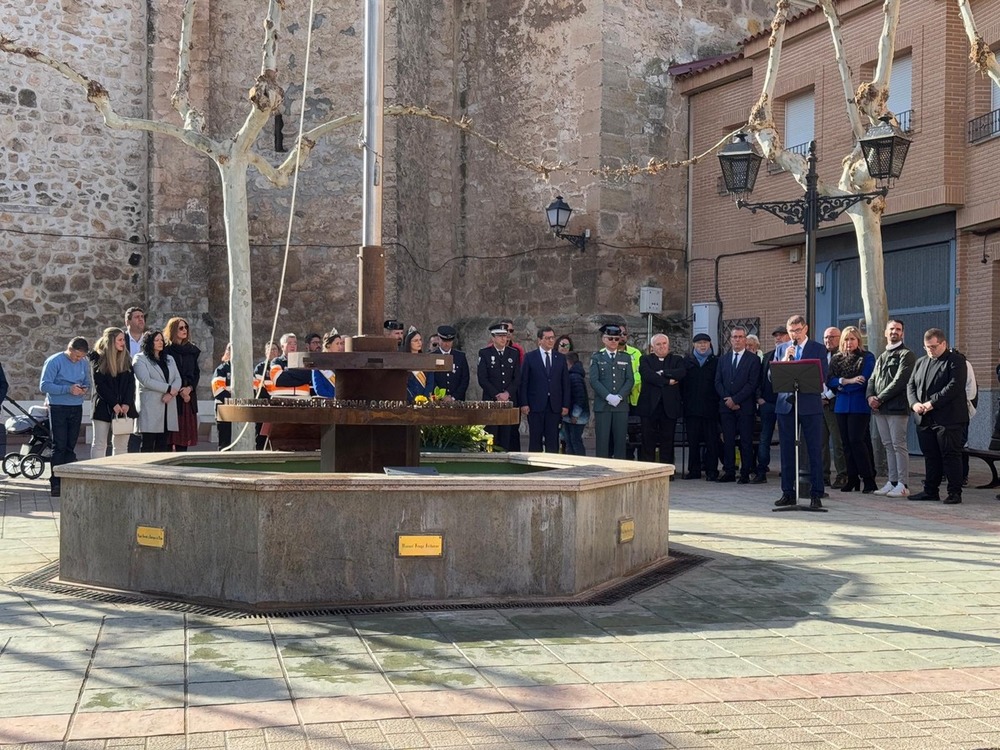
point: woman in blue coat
(850, 369)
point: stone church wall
(467, 241)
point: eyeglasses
(182, 328)
(564, 345)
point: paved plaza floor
(872, 626)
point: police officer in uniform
(455, 382)
(499, 374)
(612, 380)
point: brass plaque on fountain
(626, 530)
(150, 536)
(419, 545)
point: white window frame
(800, 119)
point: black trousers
(505, 436)
(942, 449)
(738, 423)
(703, 442)
(225, 430)
(856, 437)
(64, 423)
(657, 429)
(154, 442)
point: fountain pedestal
(368, 426)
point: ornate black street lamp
(884, 147)
(558, 213)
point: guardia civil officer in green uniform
(612, 380)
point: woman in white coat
(157, 382)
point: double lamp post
(884, 147)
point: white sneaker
(889, 487)
(898, 491)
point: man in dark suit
(544, 393)
(810, 418)
(499, 374)
(659, 404)
(936, 394)
(456, 381)
(736, 379)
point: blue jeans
(64, 422)
(768, 419)
(574, 439)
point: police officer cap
(611, 329)
(499, 329)
(447, 333)
(780, 330)
(701, 337)
(392, 325)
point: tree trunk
(867, 221)
(234, 198)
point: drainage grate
(45, 579)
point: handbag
(122, 425)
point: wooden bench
(990, 457)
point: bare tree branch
(872, 97)
(980, 53)
(266, 96)
(269, 59)
(193, 118)
(833, 20)
(99, 97)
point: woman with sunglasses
(564, 344)
(178, 335)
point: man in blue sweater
(66, 383)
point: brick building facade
(941, 229)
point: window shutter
(800, 120)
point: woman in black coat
(114, 392)
(178, 335)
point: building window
(800, 120)
(989, 124)
(751, 325)
(900, 101)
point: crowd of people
(724, 398)
(143, 386)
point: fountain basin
(157, 523)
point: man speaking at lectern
(810, 418)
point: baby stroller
(33, 422)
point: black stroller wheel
(12, 465)
(32, 466)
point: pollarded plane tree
(235, 155)
(867, 102)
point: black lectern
(798, 377)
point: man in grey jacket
(887, 398)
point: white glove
(614, 399)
